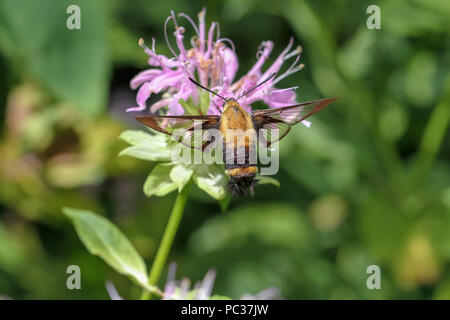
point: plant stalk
(167, 240)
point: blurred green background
(367, 184)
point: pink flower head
(213, 62)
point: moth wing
(192, 131)
(283, 118)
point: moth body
(239, 148)
(238, 129)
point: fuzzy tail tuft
(239, 185)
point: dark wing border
(184, 122)
(266, 119)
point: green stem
(432, 139)
(167, 240)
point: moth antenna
(204, 88)
(258, 85)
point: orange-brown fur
(234, 117)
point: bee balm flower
(213, 61)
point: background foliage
(367, 184)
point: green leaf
(73, 64)
(219, 297)
(419, 77)
(204, 102)
(146, 146)
(355, 57)
(211, 179)
(180, 175)
(102, 238)
(12, 251)
(275, 224)
(136, 137)
(224, 203)
(158, 182)
(189, 107)
(267, 180)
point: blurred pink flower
(213, 62)
(181, 290)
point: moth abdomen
(241, 180)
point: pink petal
(280, 99)
(210, 39)
(268, 46)
(231, 64)
(175, 108)
(143, 94)
(167, 79)
(138, 108)
(162, 61)
(275, 67)
(144, 76)
(201, 19)
(179, 39)
(158, 105)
